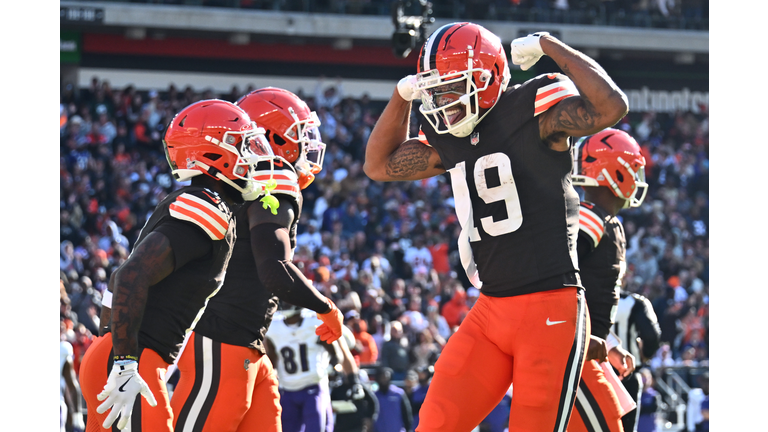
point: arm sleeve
(271, 250)
(583, 244)
(407, 415)
(647, 327)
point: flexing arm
(271, 245)
(150, 262)
(601, 103)
(390, 155)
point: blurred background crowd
(683, 14)
(384, 252)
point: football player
(227, 383)
(637, 324)
(302, 362)
(507, 150)
(177, 263)
(611, 170)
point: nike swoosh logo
(122, 387)
(549, 323)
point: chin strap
(249, 194)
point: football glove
(407, 88)
(526, 51)
(123, 384)
(355, 391)
(330, 330)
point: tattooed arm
(150, 262)
(390, 155)
(601, 103)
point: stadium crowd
(680, 14)
(386, 253)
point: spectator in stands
(365, 351)
(394, 409)
(456, 309)
(650, 404)
(395, 353)
(425, 351)
(697, 409)
(310, 238)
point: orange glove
(330, 330)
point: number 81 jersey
(513, 194)
(302, 360)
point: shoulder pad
(590, 223)
(284, 174)
(423, 138)
(204, 209)
(552, 89)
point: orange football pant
(536, 341)
(597, 407)
(94, 371)
(225, 388)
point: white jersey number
(505, 191)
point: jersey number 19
(505, 191)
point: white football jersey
(302, 360)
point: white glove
(355, 391)
(407, 88)
(526, 51)
(123, 384)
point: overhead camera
(410, 17)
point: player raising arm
(507, 152)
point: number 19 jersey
(513, 194)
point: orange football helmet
(467, 60)
(217, 138)
(611, 158)
(291, 129)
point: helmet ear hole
(212, 156)
(277, 139)
(619, 176)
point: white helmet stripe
(432, 42)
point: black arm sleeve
(271, 250)
(407, 415)
(373, 411)
(647, 327)
(584, 245)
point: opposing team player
(178, 262)
(227, 383)
(302, 362)
(507, 151)
(611, 170)
(636, 324)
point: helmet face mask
(218, 139)
(611, 158)
(456, 54)
(292, 129)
